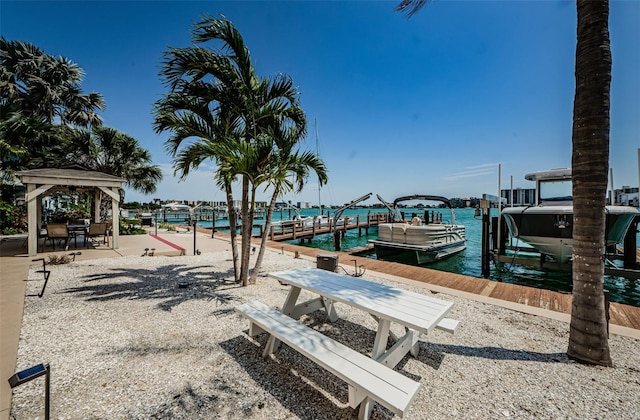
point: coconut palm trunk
(233, 232)
(246, 233)
(588, 330)
(265, 237)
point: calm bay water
(468, 262)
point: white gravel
(124, 341)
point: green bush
(13, 219)
(131, 227)
(167, 226)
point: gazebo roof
(76, 177)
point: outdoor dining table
(417, 313)
(76, 229)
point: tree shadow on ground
(170, 284)
(490, 352)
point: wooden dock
(302, 229)
(621, 314)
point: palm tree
(284, 163)
(224, 82)
(39, 95)
(588, 340)
(108, 150)
(47, 86)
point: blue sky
(426, 105)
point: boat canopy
(176, 207)
(552, 174)
(422, 197)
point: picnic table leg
(271, 346)
(330, 308)
(380, 343)
(366, 407)
(290, 302)
(287, 309)
(415, 349)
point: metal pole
(195, 223)
(47, 392)
(511, 193)
(499, 200)
(213, 224)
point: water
(468, 262)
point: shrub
(13, 219)
(167, 226)
(59, 259)
(131, 227)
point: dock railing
(302, 229)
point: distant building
(626, 196)
(519, 196)
(304, 205)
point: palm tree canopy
(46, 86)
(108, 150)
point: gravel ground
(125, 341)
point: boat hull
(412, 254)
(418, 244)
(549, 229)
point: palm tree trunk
(590, 163)
(265, 236)
(246, 233)
(233, 232)
(252, 209)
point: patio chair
(97, 230)
(57, 231)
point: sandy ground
(125, 341)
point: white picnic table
(417, 313)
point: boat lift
(337, 235)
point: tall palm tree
(588, 338)
(197, 113)
(224, 81)
(590, 166)
(285, 163)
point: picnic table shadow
(170, 284)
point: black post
(337, 240)
(486, 226)
(630, 245)
(195, 223)
(47, 391)
(213, 224)
(607, 305)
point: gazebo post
(97, 195)
(115, 215)
(32, 220)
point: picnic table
(370, 379)
(417, 313)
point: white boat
(547, 225)
(418, 241)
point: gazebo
(39, 182)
